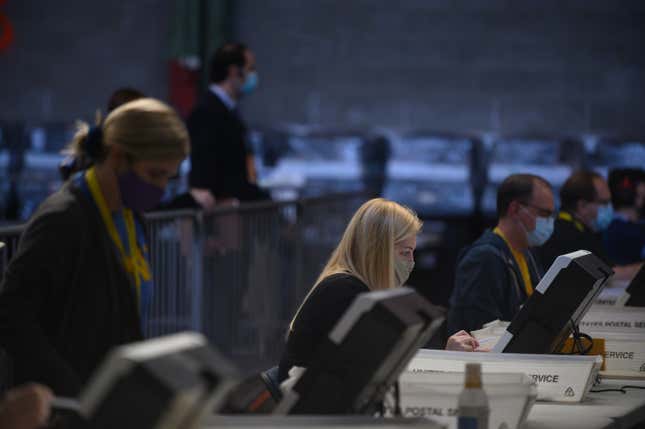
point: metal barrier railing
(237, 274)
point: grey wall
(69, 55)
(543, 65)
(554, 66)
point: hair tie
(94, 142)
(627, 184)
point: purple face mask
(137, 194)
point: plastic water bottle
(473, 410)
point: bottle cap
(473, 376)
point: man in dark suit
(222, 167)
(222, 173)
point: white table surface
(599, 410)
(315, 422)
(606, 410)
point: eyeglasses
(542, 212)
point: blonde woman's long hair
(146, 129)
(366, 250)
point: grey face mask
(402, 270)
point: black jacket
(625, 241)
(218, 153)
(488, 284)
(319, 314)
(66, 299)
(569, 236)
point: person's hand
(462, 341)
(483, 349)
(26, 407)
(204, 198)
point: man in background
(222, 166)
(497, 273)
(223, 173)
(625, 237)
(585, 212)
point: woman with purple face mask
(81, 281)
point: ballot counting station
(563, 361)
(322, 214)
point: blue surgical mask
(604, 217)
(541, 233)
(250, 83)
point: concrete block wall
(68, 56)
(547, 66)
(501, 65)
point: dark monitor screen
(557, 305)
(635, 292)
(364, 354)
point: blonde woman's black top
(318, 316)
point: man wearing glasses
(497, 273)
(585, 212)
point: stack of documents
(490, 333)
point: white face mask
(402, 270)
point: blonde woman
(80, 281)
(376, 252)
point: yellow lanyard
(568, 218)
(135, 263)
(521, 263)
